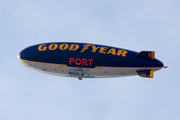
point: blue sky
(136, 25)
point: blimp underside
(98, 72)
(88, 60)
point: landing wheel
(80, 78)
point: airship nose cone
(28, 53)
(18, 56)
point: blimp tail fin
(146, 73)
(149, 55)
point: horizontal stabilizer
(149, 55)
(145, 73)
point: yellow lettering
(85, 48)
(53, 46)
(94, 48)
(122, 52)
(63, 46)
(112, 51)
(103, 49)
(42, 47)
(73, 47)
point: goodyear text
(74, 47)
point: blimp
(84, 60)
